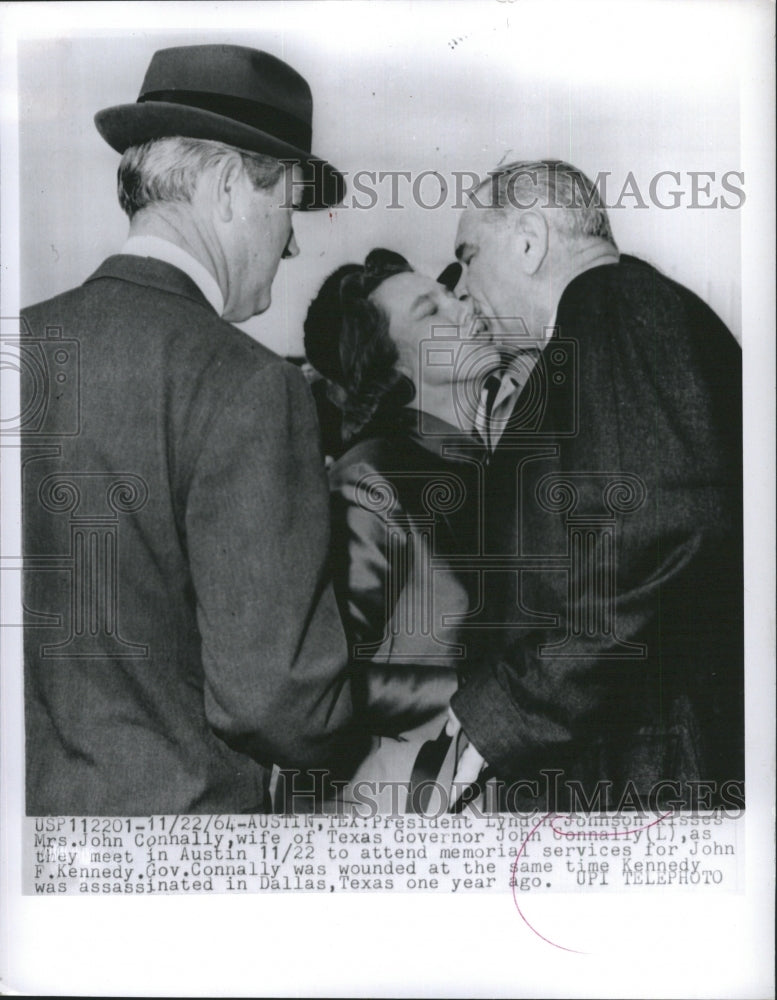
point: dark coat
(404, 513)
(182, 635)
(618, 484)
(405, 508)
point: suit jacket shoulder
(143, 330)
(150, 299)
(230, 650)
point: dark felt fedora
(231, 94)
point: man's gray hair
(551, 185)
(167, 170)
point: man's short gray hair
(167, 170)
(572, 200)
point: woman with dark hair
(405, 363)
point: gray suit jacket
(181, 632)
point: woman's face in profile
(438, 336)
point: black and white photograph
(388, 492)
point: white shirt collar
(516, 374)
(161, 249)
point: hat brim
(126, 125)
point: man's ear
(532, 236)
(225, 180)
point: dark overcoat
(181, 633)
(614, 500)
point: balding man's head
(569, 199)
(225, 206)
(526, 232)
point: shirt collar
(170, 253)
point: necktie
(426, 770)
(506, 407)
(485, 406)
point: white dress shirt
(490, 422)
(170, 253)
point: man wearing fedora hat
(182, 634)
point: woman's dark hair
(347, 341)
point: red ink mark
(549, 817)
(621, 833)
(515, 898)
(331, 217)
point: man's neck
(157, 238)
(592, 255)
(175, 227)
